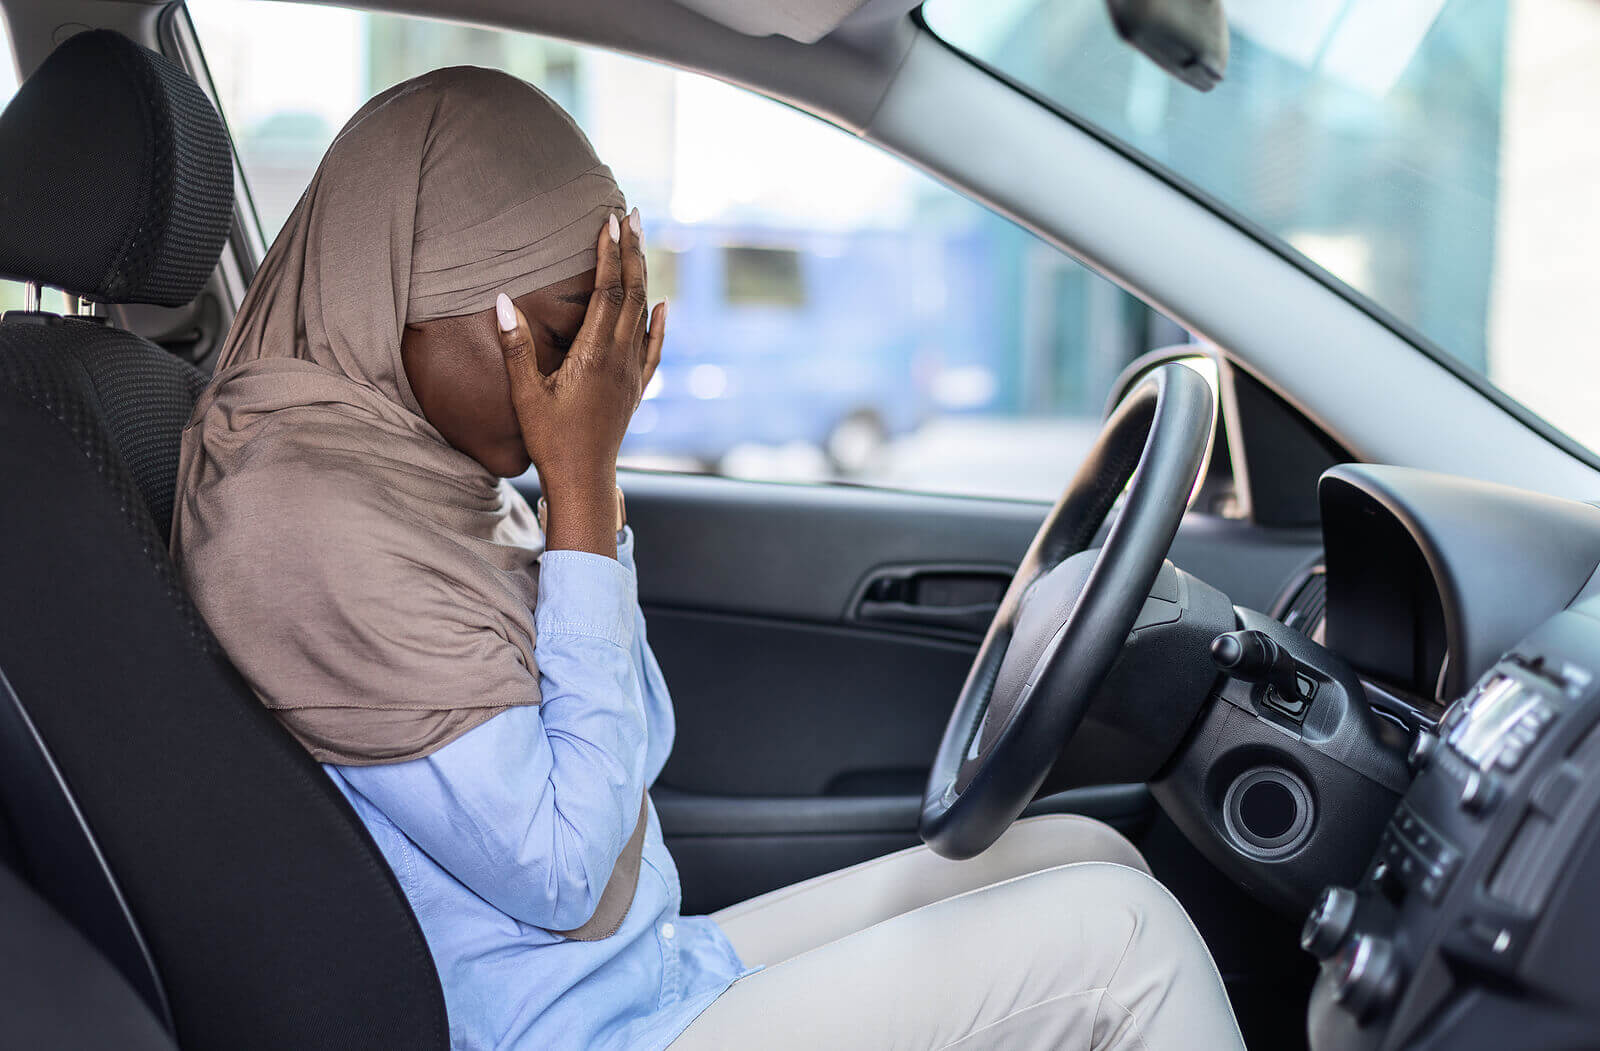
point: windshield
(1438, 156)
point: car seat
(146, 794)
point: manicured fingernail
(661, 318)
(616, 231)
(633, 223)
(505, 313)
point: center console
(1477, 922)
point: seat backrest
(141, 394)
(270, 916)
(56, 850)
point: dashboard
(1476, 922)
(1427, 578)
(1385, 613)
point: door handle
(953, 599)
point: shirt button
(668, 930)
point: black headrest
(116, 177)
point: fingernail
(663, 309)
(616, 231)
(633, 223)
(505, 313)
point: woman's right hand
(573, 420)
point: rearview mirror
(1187, 38)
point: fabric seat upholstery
(141, 395)
(270, 916)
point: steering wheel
(1068, 611)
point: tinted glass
(1438, 156)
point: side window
(836, 315)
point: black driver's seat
(143, 789)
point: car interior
(1315, 621)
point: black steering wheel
(1063, 620)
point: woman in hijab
(458, 294)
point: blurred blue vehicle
(779, 336)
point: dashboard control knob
(1366, 976)
(1479, 792)
(1329, 922)
(1422, 751)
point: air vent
(1305, 612)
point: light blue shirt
(511, 831)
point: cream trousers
(1055, 937)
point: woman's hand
(573, 420)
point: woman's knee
(1155, 918)
(1162, 977)
(1121, 926)
(1068, 839)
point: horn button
(1046, 608)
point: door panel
(769, 707)
(804, 734)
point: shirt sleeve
(532, 809)
(659, 715)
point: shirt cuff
(625, 548)
(581, 593)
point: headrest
(116, 177)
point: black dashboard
(1431, 577)
(1476, 922)
(1385, 614)
(1427, 578)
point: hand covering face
(373, 584)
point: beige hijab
(375, 585)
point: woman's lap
(789, 921)
(1087, 955)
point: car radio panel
(1478, 899)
